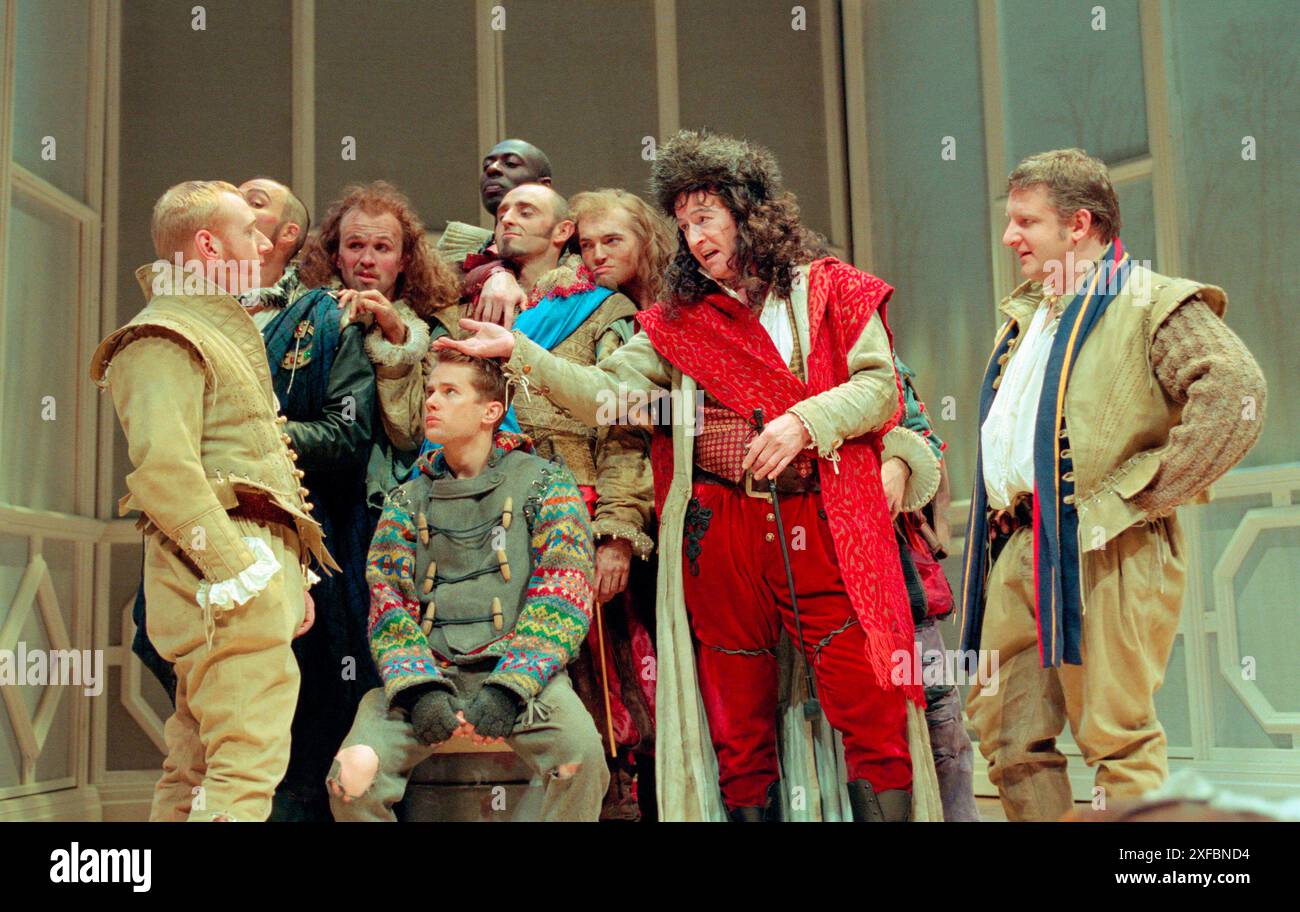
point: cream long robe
(685, 764)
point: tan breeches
(228, 740)
(1132, 596)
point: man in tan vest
(1113, 395)
(227, 529)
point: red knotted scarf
(721, 344)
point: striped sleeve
(400, 648)
(557, 607)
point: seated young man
(480, 579)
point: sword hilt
(756, 419)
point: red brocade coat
(721, 344)
(725, 350)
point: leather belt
(785, 484)
(1019, 515)
(261, 509)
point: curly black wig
(770, 238)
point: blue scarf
(1057, 596)
(554, 319)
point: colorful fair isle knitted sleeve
(399, 646)
(557, 607)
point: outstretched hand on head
(488, 341)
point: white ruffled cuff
(310, 576)
(239, 590)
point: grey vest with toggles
(472, 556)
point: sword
(812, 708)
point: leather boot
(770, 812)
(890, 806)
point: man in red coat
(759, 319)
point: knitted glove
(492, 711)
(434, 716)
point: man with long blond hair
(625, 246)
(624, 242)
(228, 532)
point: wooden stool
(463, 781)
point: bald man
(491, 290)
(282, 217)
(533, 228)
(506, 165)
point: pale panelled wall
(51, 133)
(1090, 96)
(929, 231)
(400, 79)
(1082, 86)
(1235, 85)
(578, 81)
(40, 430)
(54, 41)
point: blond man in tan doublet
(227, 529)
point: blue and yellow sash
(1057, 598)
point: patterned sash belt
(720, 452)
(1003, 522)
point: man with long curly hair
(791, 354)
(371, 255)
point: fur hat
(694, 159)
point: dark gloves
(492, 711)
(434, 716)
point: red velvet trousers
(737, 605)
